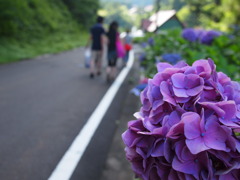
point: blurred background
(33, 27)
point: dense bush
(224, 51)
(36, 18)
(83, 11)
(34, 27)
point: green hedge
(33, 27)
(224, 51)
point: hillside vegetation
(131, 3)
(33, 27)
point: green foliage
(84, 11)
(214, 14)
(138, 40)
(224, 51)
(131, 3)
(117, 12)
(20, 19)
(13, 50)
(34, 27)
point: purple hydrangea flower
(187, 85)
(187, 125)
(199, 32)
(142, 57)
(190, 34)
(151, 41)
(208, 37)
(137, 89)
(144, 45)
(203, 36)
(171, 58)
(203, 134)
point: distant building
(148, 8)
(162, 20)
(133, 10)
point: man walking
(97, 33)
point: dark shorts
(112, 58)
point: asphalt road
(43, 105)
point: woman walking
(112, 35)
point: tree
(217, 14)
(115, 11)
(158, 5)
(84, 11)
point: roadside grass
(12, 50)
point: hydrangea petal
(166, 93)
(180, 92)
(130, 138)
(178, 80)
(194, 91)
(192, 128)
(196, 145)
(215, 138)
(162, 66)
(158, 149)
(188, 167)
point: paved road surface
(43, 105)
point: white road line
(69, 161)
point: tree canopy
(217, 14)
(41, 17)
(84, 11)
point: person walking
(127, 40)
(112, 35)
(97, 34)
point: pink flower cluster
(187, 126)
